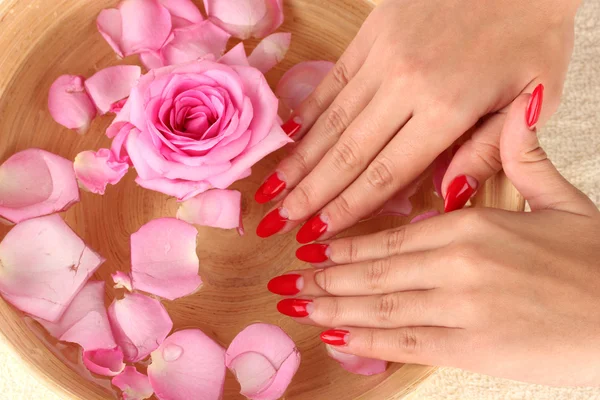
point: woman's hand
(510, 294)
(418, 75)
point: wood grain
(42, 39)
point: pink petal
(195, 41)
(235, 56)
(110, 26)
(85, 321)
(110, 85)
(70, 105)
(164, 260)
(104, 362)
(275, 140)
(217, 208)
(140, 324)
(118, 106)
(300, 81)
(122, 280)
(357, 365)
(146, 25)
(117, 146)
(152, 59)
(179, 188)
(400, 205)
(121, 120)
(94, 170)
(44, 265)
(188, 365)
(134, 385)
(424, 216)
(261, 345)
(183, 12)
(246, 18)
(270, 51)
(35, 182)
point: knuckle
(370, 340)
(336, 120)
(343, 209)
(387, 307)
(408, 340)
(379, 173)
(297, 162)
(345, 155)
(488, 155)
(474, 221)
(302, 197)
(353, 250)
(340, 74)
(333, 311)
(376, 273)
(394, 238)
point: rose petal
(164, 260)
(188, 365)
(246, 18)
(400, 205)
(357, 365)
(122, 281)
(274, 141)
(104, 362)
(276, 347)
(117, 146)
(270, 51)
(300, 81)
(134, 385)
(140, 324)
(152, 59)
(235, 56)
(70, 105)
(94, 170)
(217, 208)
(195, 41)
(146, 25)
(110, 85)
(183, 12)
(85, 321)
(44, 265)
(181, 189)
(35, 182)
(110, 26)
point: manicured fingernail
(272, 223)
(292, 126)
(534, 108)
(313, 229)
(270, 189)
(286, 285)
(313, 253)
(296, 308)
(459, 192)
(335, 337)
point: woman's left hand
(510, 294)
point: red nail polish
(292, 126)
(272, 223)
(313, 229)
(459, 192)
(296, 308)
(534, 108)
(313, 253)
(335, 337)
(268, 190)
(285, 285)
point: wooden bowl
(42, 39)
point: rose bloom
(192, 127)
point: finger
(431, 233)
(527, 165)
(394, 310)
(407, 155)
(415, 345)
(411, 271)
(325, 132)
(478, 159)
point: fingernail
(292, 126)
(459, 192)
(296, 308)
(272, 223)
(286, 285)
(313, 253)
(335, 337)
(534, 108)
(269, 189)
(313, 229)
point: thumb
(527, 165)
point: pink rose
(198, 126)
